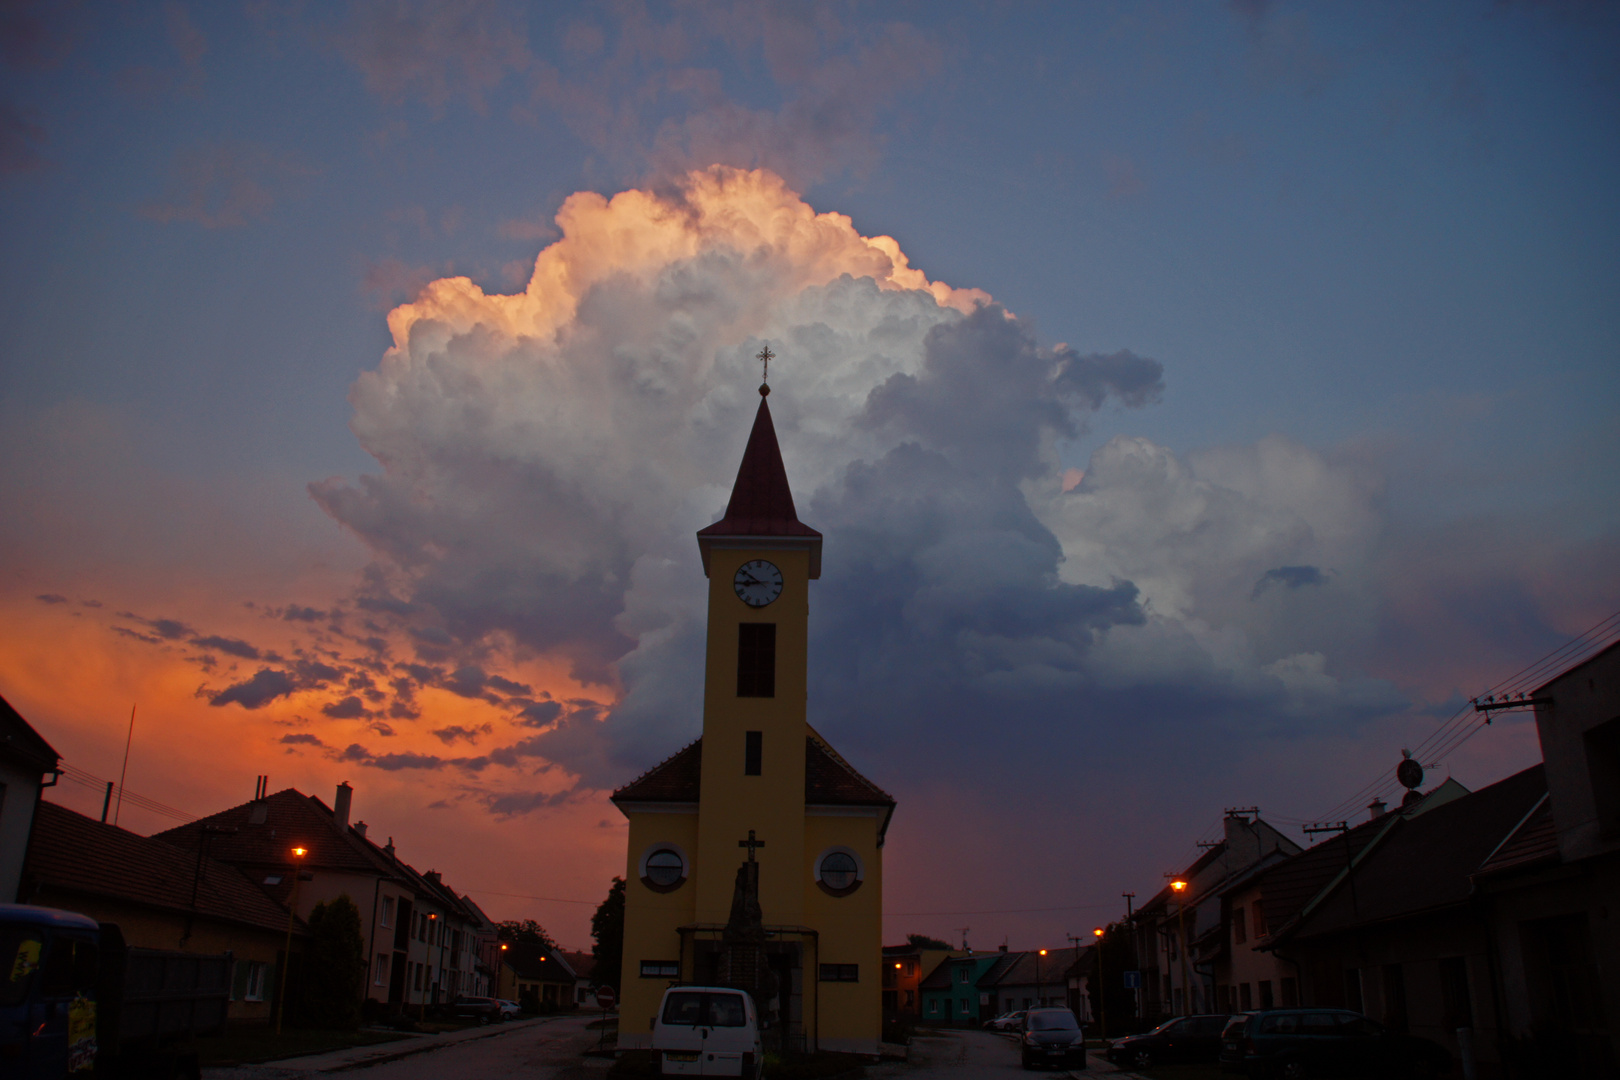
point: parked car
(1183, 1039)
(1231, 1056)
(1011, 1022)
(485, 1010)
(510, 1010)
(1292, 1043)
(1052, 1037)
(707, 1031)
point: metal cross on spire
(751, 844)
(765, 356)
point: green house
(951, 995)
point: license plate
(670, 1055)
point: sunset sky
(1201, 402)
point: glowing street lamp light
(1040, 997)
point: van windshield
(698, 1008)
(1052, 1020)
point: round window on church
(663, 868)
(838, 871)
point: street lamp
(1040, 996)
(1180, 888)
(1102, 985)
(298, 854)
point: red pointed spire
(761, 502)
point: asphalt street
(555, 1049)
(534, 1050)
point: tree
(334, 966)
(607, 930)
(923, 941)
(524, 932)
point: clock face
(757, 583)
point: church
(755, 855)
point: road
(968, 1055)
(552, 1050)
(555, 1050)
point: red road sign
(604, 997)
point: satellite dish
(1409, 773)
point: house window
(961, 974)
(253, 989)
(416, 979)
(380, 978)
(1239, 927)
(388, 911)
(1602, 745)
(1266, 1000)
(753, 752)
(1258, 914)
(1245, 998)
(660, 969)
(756, 659)
(933, 1007)
(840, 973)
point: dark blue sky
(1367, 253)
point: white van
(707, 1031)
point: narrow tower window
(756, 659)
(752, 751)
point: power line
(91, 780)
(1457, 729)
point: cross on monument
(751, 844)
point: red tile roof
(829, 780)
(1533, 843)
(675, 779)
(1426, 862)
(761, 502)
(72, 853)
(268, 829)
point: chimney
(340, 805)
(360, 827)
(1375, 809)
(433, 876)
(390, 847)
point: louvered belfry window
(756, 660)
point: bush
(334, 968)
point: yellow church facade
(759, 785)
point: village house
(421, 940)
(904, 968)
(950, 995)
(1167, 930)
(536, 977)
(162, 897)
(26, 760)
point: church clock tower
(760, 779)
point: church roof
(761, 502)
(675, 779)
(829, 780)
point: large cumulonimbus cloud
(547, 456)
